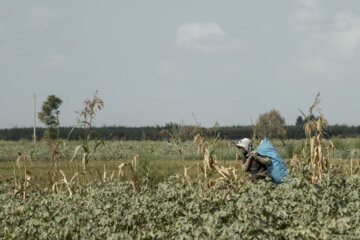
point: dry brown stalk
(134, 162)
(199, 142)
(121, 171)
(134, 180)
(314, 135)
(66, 182)
(353, 154)
(77, 174)
(57, 186)
(27, 178)
(132, 167)
(227, 173)
(318, 161)
(22, 159)
(112, 174)
(100, 177)
(25, 184)
(296, 161)
(209, 160)
(54, 189)
(104, 177)
(18, 161)
(15, 182)
(186, 176)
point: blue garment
(278, 167)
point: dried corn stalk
(353, 154)
(56, 185)
(296, 161)
(186, 175)
(132, 166)
(112, 174)
(209, 160)
(21, 159)
(199, 142)
(26, 182)
(27, 178)
(121, 171)
(314, 135)
(229, 174)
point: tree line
(269, 124)
(155, 132)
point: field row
(156, 150)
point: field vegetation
(158, 158)
(178, 188)
(101, 202)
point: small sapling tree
(49, 116)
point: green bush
(175, 210)
(289, 150)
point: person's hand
(252, 154)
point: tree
(271, 125)
(300, 121)
(49, 115)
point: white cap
(245, 143)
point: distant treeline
(157, 132)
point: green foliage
(339, 143)
(271, 125)
(154, 132)
(49, 115)
(150, 150)
(289, 150)
(175, 210)
(49, 111)
(157, 159)
(356, 143)
(300, 121)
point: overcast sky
(155, 62)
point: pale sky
(155, 62)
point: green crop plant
(339, 144)
(356, 143)
(176, 210)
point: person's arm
(264, 160)
(246, 165)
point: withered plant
(133, 173)
(91, 138)
(316, 145)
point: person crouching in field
(253, 163)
